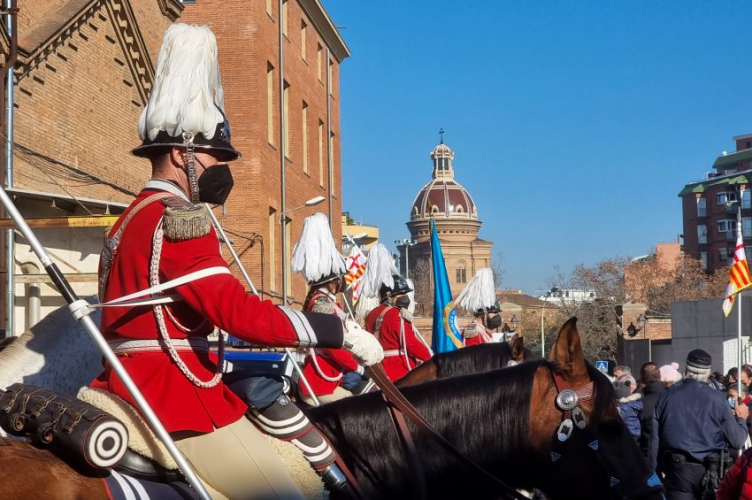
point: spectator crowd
(692, 426)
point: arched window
(461, 272)
(434, 209)
(458, 209)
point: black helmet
(400, 286)
(495, 308)
(326, 279)
(219, 143)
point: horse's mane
(485, 415)
(474, 359)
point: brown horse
(473, 359)
(505, 420)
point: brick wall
(248, 39)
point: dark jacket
(694, 419)
(630, 409)
(650, 395)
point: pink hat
(670, 373)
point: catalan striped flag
(356, 268)
(739, 278)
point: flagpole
(740, 237)
(255, 292)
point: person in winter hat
(629, 403)
(670, 374)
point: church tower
(453, 210)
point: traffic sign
(602, 366)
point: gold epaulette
(470, 331)
(185, 221)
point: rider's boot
(285, 421)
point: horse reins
(401, 408)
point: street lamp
(407, 243)
(309, 203)
(543, 319)
(641, 323)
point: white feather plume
(479, 293)
(363, 307)
(187, 94)
(379, 270)
(411, 294)
(315, 254)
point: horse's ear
(567, 352)
(518, 348)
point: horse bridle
(568, 401)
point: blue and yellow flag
(446, 335)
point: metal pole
(329, 141)
(739, 236)
(282, 132)
(79, 309)
(543, 331)
(255, 292)
(10, 247)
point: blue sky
(574, 124)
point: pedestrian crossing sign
(602, 366)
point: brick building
(83, 74)
(709, 208)
(248, 34)
(450, 206)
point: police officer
(692, 425)
(165, 251)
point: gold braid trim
(186, 223)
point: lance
(81, 312)
(255, 292)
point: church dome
(443, 196)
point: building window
(272, 249)
(304, 135)
(747, 252)
(461, 275)
(726, 225)
(270, 102)
(320, 61)
(702, 234)
(286, 97)
(726, 197)
(284, 17)
(704, 261)
(723, 255)
(321, 153)
(747, 227)
(702, 209)
(729, 170)
(746, 199)
(303, 38)
(329, 76)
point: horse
(505, 420)
(471, 359)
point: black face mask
(215, 184)
(402, 302)
(494, 322)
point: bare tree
(498, 271)
(421, 276)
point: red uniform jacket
(388, 334)
(475, 334)
(737, 483)
(215, 300)
(332, 362)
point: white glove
(362, 344)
